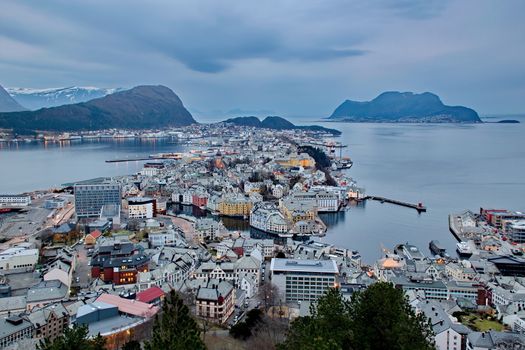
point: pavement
(83, 270)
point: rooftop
(306, 265)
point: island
(403, 107)
(278, 123)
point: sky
(290, 58)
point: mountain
(277, 123)
(142, 107)
(7, 103)
(53, 97)
(396, 106)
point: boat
(436, 248)
(343, 163)
(463, 249)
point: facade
(89, 199)
(215, 301)
(266, 217)
(18, 259)
(141, 208)
(163, 238)
(49, 321)
(235, 206)
(303, 280)
(14, 329)
(118, 263)
(14, 201)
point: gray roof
(7, 328)
(214, 289)
(13, 303)
(493, 339)
(47, 290)
(299, 265)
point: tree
(377, 318)
(327, 327)
(269, 294)
(73, 339)
(175, 328)
(382, 318)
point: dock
(419, 206)
(123, 160)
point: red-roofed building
(92, 237)
(130, 307)
(153, 295)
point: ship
(436, 248)
(463, 249)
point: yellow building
(296, 160)
(298, 210)
(235, 206)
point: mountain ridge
(8, 103)
(394, 106)
(142, 107)
(277, 123)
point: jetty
(123, 160)
(419, 206)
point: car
(77, 279)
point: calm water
(447, 167)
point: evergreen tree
(327, 327)
(74, 338)
(383, 319)
(175, 329)
(375, 319)
(132, 345)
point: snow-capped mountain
(52, 97)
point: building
(163, 238)
(18, 259)
(326, 201)
(296, 160)
(46, 292)
(153, 295)
(493, 340)
(266, 217)
(91, 238)
(14, 329)
(89, 199)
(236, 206)
(509, 265)
(215, 301)
(49, 321)
(299, 280)
(55, 203)
(111, 213)
(141, 208)
(14, 200)
(152, 168)
(118, 263)
(295, 210)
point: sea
(447, 167)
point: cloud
(291, 56)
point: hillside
(404, 107)
(277, 123)
(7, 103)
(142, 107)
(45, 98)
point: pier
(123, 160)
(419, 207)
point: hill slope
(45, 98)
(396, 106)
(139, 108)
(7, 103)
(277, 123)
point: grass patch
(480, 322)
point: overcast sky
(292, 58)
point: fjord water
(448, 167)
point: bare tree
(268, 333)
(269, 294)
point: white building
(163, 238)
(299, 280)
(266, 217)
(13, 200)
(18, 259)
(141, 208)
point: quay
(419, 207)
(123, 160)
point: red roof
(96, 234)
(150, 294)
(131, 307)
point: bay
(448, 167)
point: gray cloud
(293, 56)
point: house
(49, 321)
(14, 329)
(215, 301)
(91, 238)
(493, 340)
(153, 295)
